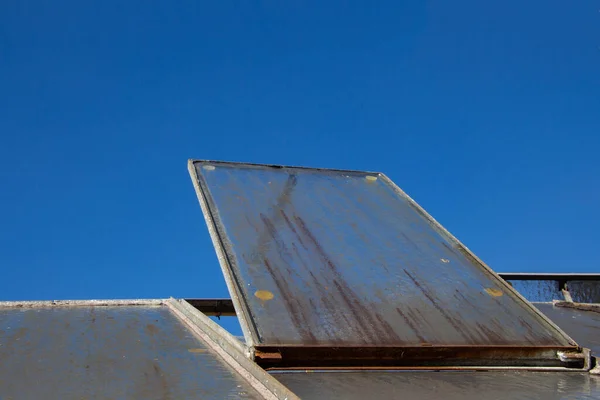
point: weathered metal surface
(342, 258)
(583, 326)
(538, 290)
(584, 291)
(137, 352)
(457, 385)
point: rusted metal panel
(344, 258)
(458, 385)
(583, 326)
(110, 351)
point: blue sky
(487, 115)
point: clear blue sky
(487, 115)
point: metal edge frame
(486, 268)
(463, 357)
(81, 303)
(232, 351)
(592, 307)
(257, 165)
(548, 276)
(249, 330)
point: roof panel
(457, 385)
(583, 326)
(344, 258)
(108, 352)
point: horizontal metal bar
(525, 276)
(578, 306)
(245, 164)
(310, 357)
(81, 303)
(214, 307)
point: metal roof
(141, 349)
(320, 259)
(171, 349)
(167, 349)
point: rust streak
(410, 324)
(451, 320)
(376, 329)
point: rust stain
(152, 329)
(264, 295)
(372, 327)
(455, 324)
(198, 351)
(20, 333)
(291, 304)
(494, 292)
(410, 324)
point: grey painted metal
(538, 290)
(231, 350)
(583, 326)
(446, 385)
(584, 291)
(108, 351)
(345, 258)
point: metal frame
(541, 276)
(215, 230)
(214, 307)
(301, 356)
(81, 303)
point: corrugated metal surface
(443, 385)
(344, 258)
(584, 291)
(583, 326)
(139, 352)
(538, 291)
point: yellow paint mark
(209, 167)
(197, 351)
(264, 295)
(370, 178)
(494, 292)
(445, 260)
